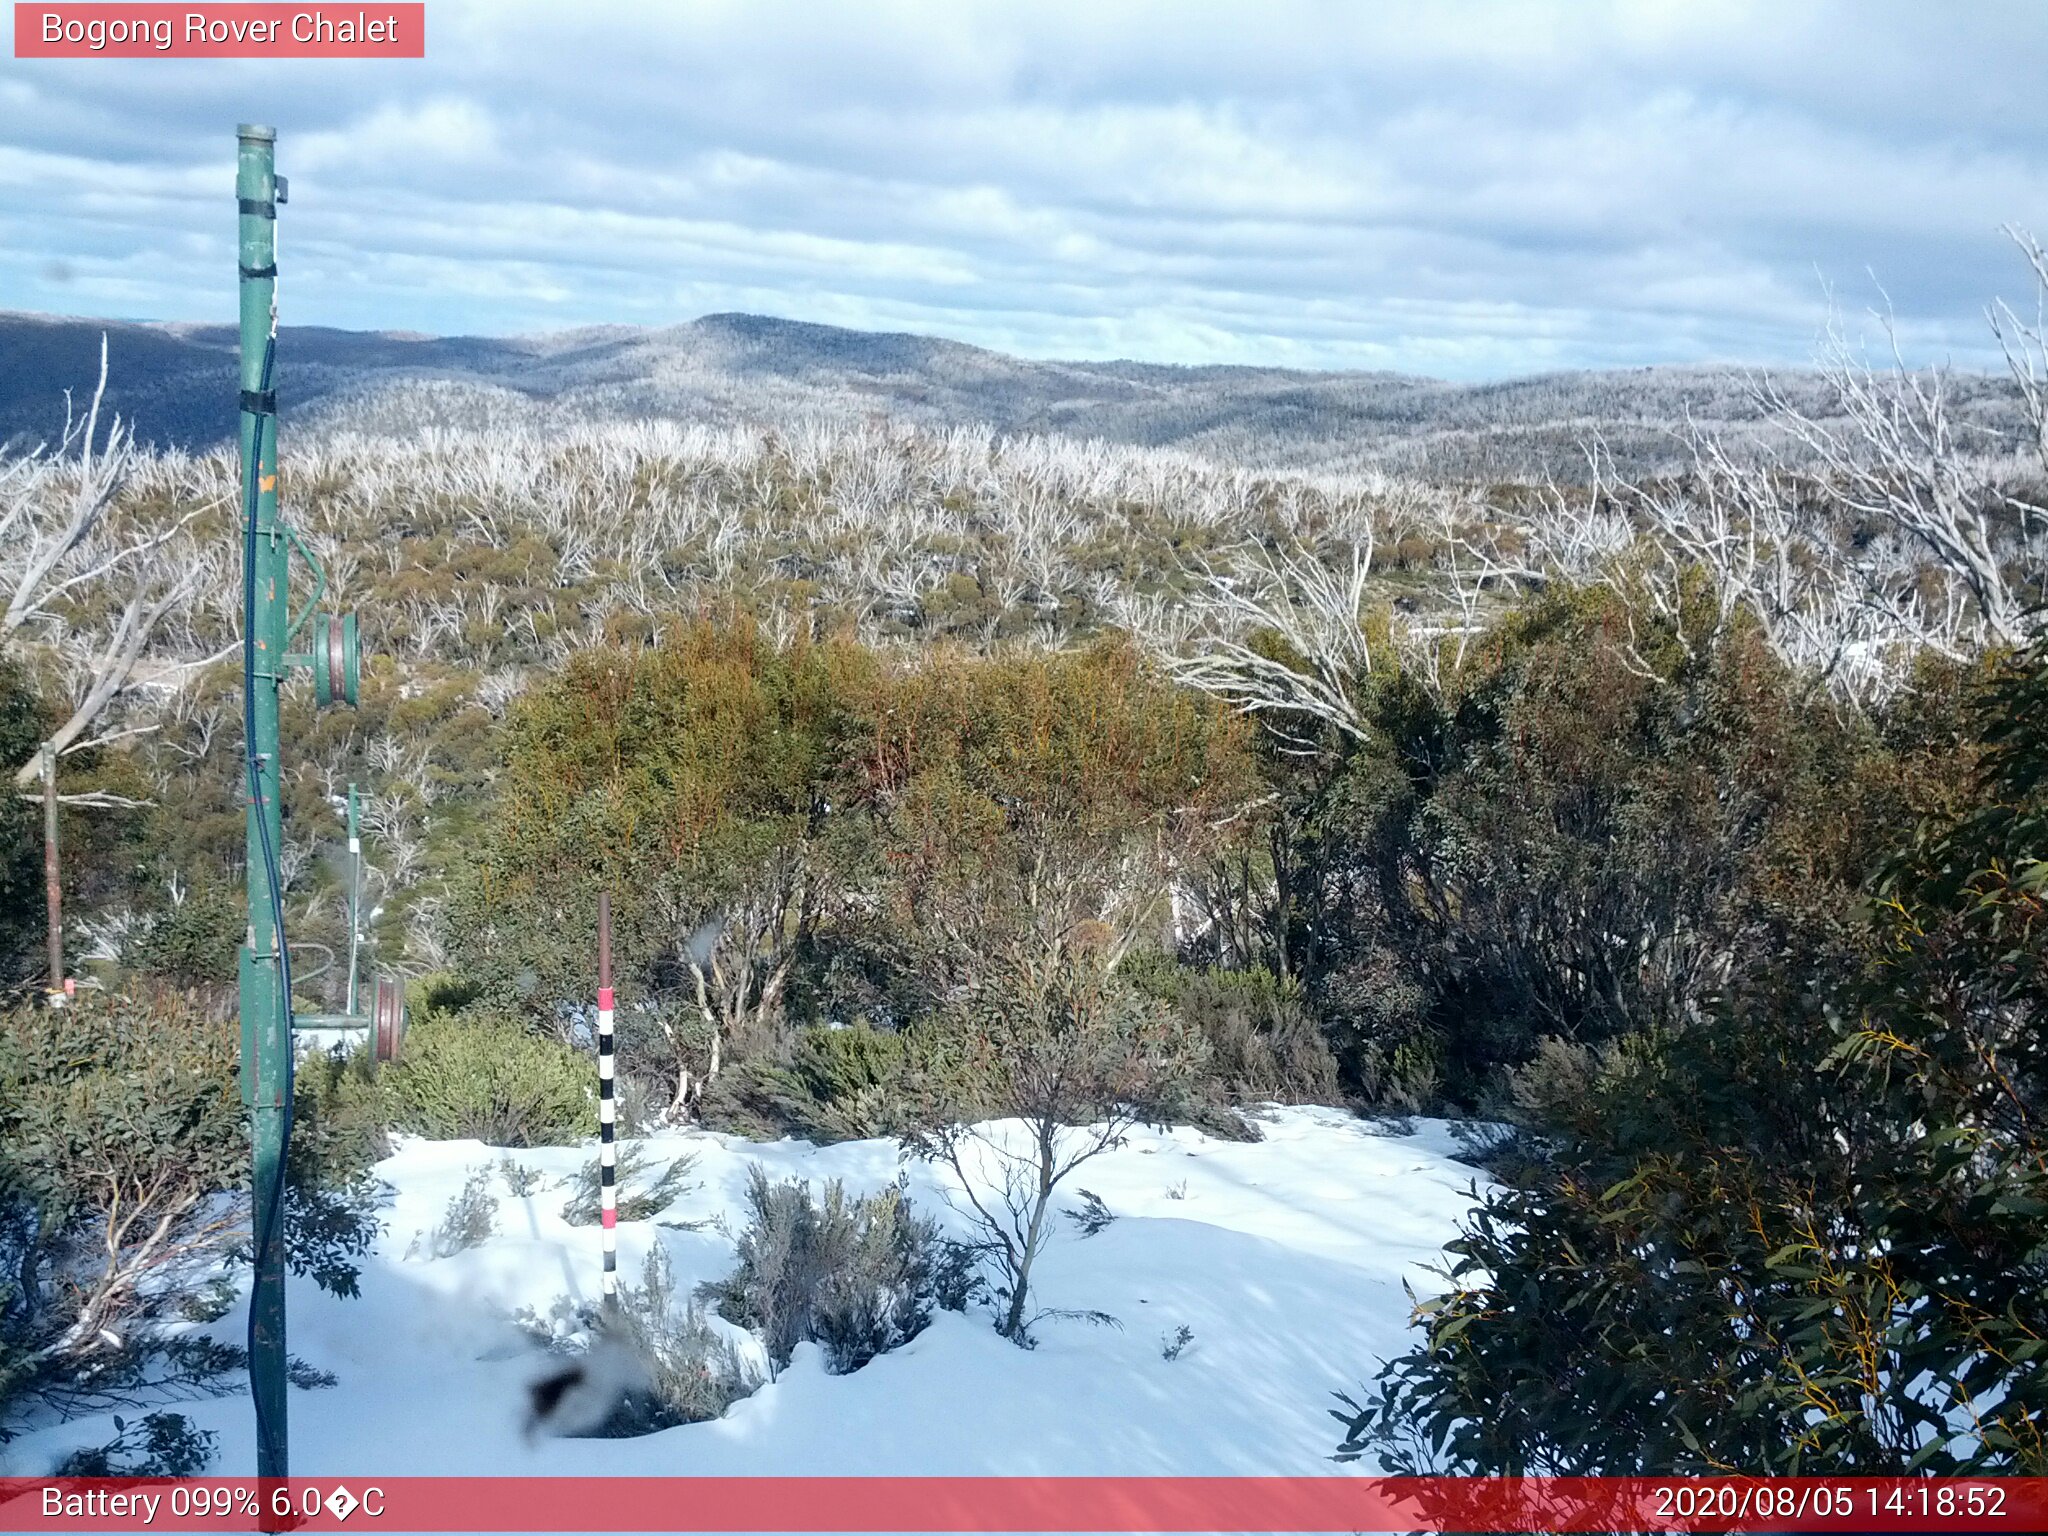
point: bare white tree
(1892, 527)
(1289, 637)
(59, 553)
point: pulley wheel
(388, 1018)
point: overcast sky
(1472, 190)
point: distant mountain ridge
(175, 383)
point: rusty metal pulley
(388, 1019)
(335, 659)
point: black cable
(271, 1211)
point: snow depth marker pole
(607, 1109)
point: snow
(1286, 1258)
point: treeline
(1796, 1225)
(813, 848)
(1571, 840)
(1752, 979)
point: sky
(1471, 189)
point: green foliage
(1802, 1233)
(195, 939)
(160, 1445)
(1031, 807)
(840, 1085)
(699, 765)
(838, 1066)
(859, 1276)
(489, 1077)
(21, 886)
(101, 1099)
(638, 1196)
(1263, 1043)
(469, 1221)
(692, 1372)
(121, 1130)
(340, 1117)
(812, 834)
(1590, 830)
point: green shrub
(340, 1118)
(1800, 1234)
(703, 764)
(840, 1085)
(469, 1221)
(639, 1197)
(123, 1160)
(194, 940)
(490, 1078)
(161, 1445)
(21, 863)
(838, 1066)
(1264, 1044)
(859, 1276)
(1589, 828)
(691, 1373)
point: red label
(120, 31)
(1335, 1503)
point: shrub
(21, 864)
(469, 1221)
(703, 763)
(859, 1276)
(490, 1078)
(160, 1445)
(1093, 1215)
(340, 1116)
(1589, 828)
(1078, 1058)
(649, 1198)
(1263, 1042)
(123, 1170)
(694, 1373)
(839, 1066)
(521, 1179)
(1801, 1233)
(1553, 1087)
(840, 1085)
(194, 939)
(1036, 810)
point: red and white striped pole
(607, 1108)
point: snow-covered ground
(1284, 1257)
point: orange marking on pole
(267, 483)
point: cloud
(1470, 189)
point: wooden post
(53, 884)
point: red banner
(1063, 1504)
(213, 31)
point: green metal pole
(355, 891)
(266, 1030)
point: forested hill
(175, 383)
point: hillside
(176, 383)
